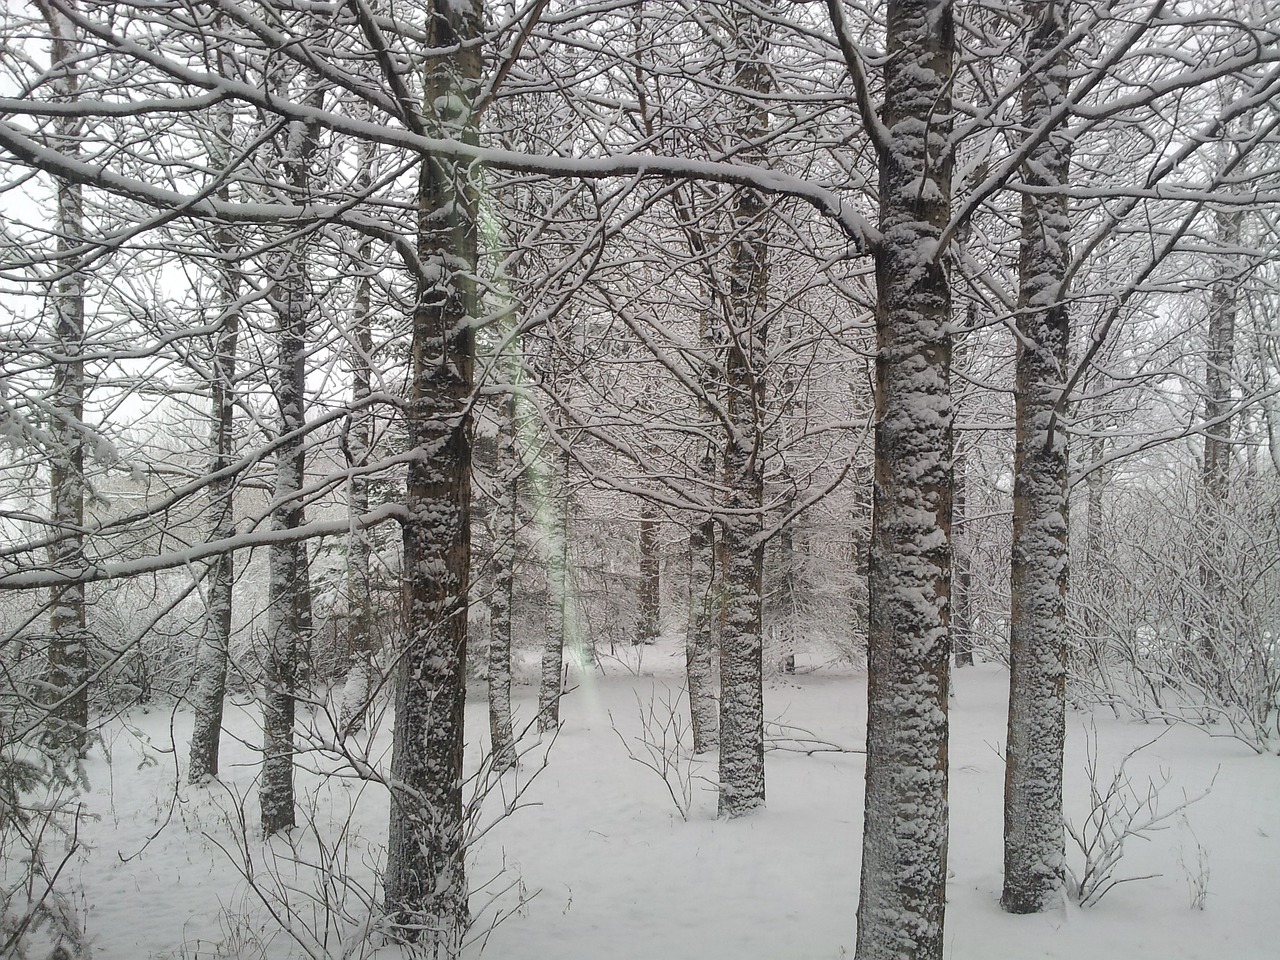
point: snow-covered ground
(598, 863)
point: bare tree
(425, 880)
(904, 856)
(68, 673)
(1033, 829)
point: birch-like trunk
(555, 511)
(210, 688)
(741, 543)
(505, 524)
(1034, 834)
(362, 641)
(425, 880)
(904, 848)
(650, 576)
(68, 667)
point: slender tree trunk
(425, 881)
(741, 543)
(1216, 468)
(286, 613)
(700, 638)
(962, 577)
(362, 641)
(650, 583)
(555, 529)
(1033, 829)
(289, 585)
(68, 666)
(700, 644)
(504, 563)
(904, 849)
(784, 577)
(210, 689)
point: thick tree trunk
(425, 881)
(504, 563)
(210, 687)
(904, 849)
(650, 582)
(741, 544)
(1033, 829)
(68, 667)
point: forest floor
(598, 862)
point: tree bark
(362, 640)
(555, 508)
(425, 881)
(741, 543)
(1216, 468)
(504, 561)
(650, 574)
(700, 643)
(904, 850)
(68, 665)
(1033, 828)
(210, 688)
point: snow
(618, 874)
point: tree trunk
(425, 880)
(210, 688)
(1033, 828)
(741, 544)
(362, 641)
(904, 849)
(962, 578)
(68, 667)
(504, 563)
(289, 585)
(285, 614)
(555, 507)
(1216, 469)
(700, 643)
(650, 583)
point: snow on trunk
(501, 735)
(210, 687)
(904, 851)
(362, 641)
(1033, 827)
(67, 693)
(425, 880)
(741, 542)
(289, 584)
(555, 512)
(647, 625)
(700, 642)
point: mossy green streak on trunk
(425, 881)
(904, 852)
(1033, 828)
